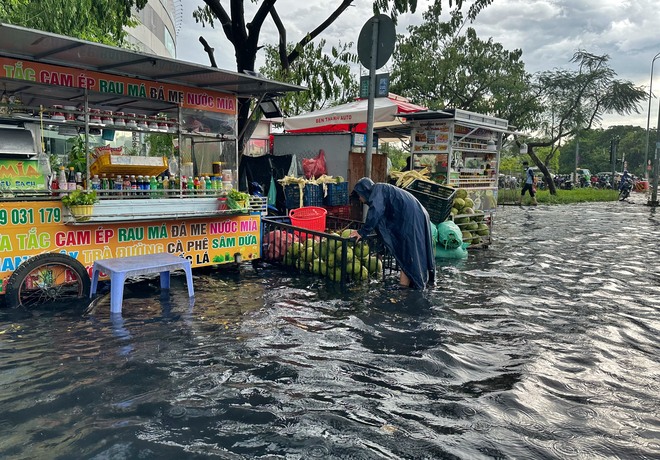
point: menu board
(432, 137)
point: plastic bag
(272, 192)
(313, 168)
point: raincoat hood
(363, 188)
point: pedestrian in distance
(529, 185)
(404, 226)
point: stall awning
(21, 43)
(351, 116)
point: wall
(336, 146)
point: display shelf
(153, 209)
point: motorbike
(624, 189)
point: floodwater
(543, 346)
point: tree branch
(220, 13)
(314, 33)
(284, 60)
(209, 51)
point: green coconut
(467, 236)
(374, 265)
(469, 203)
(461, 193)
(459, 203)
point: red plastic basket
(309, 218)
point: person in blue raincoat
(403, 224)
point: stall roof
(21, 43)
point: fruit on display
(467, 213)
(323, 256)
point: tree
(439, 66)
(575, 100)
(99, 21)
(244, 35)
(328, 77)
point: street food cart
(109, 100)
(461, 149)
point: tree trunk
(544, 169)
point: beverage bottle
(134, 185)
(153, 186)
(127, 186)
(105, 183)
(160, 187)
(52, 184)
(184, 184)
(119, 185)
(79, 180)
(96, 182)
(71, 179)
(61, 181)
(208, 185)
(191, 185)
(140, 184)
(165, 184)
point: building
(160, 21)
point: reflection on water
(543, 346)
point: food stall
(181, 200)
(461, 150)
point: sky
(549, 32)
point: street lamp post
(648, 120)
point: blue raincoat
(403, 224)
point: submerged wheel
(45, 279)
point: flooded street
(543, 346)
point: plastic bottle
(153, 186)
(127, 186)
(160, 187)
(71, 179)
(208, 185)
(191, 186)
(96, 182)
(105, 183)
(118, 185)
(165, 185)
(184, 184)
(134, 185)
(79, 181)
(197, 185)
(61, 181)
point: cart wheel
(47, 278)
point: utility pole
(656, 166)
(613, 145)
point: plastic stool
(119, 269)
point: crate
(127, 164)
(258, 204)
(337, 194)
(323, 253)
(292, 196)
(313, 195)
(466, 223)
(341, 212)
(436, 198)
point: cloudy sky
(548, 32)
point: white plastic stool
(120, 268)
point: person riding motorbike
(625, 185)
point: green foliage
(160, 145)
(396, 155)
(327, 76)
(100, 21)
(77, 153)
(440, 66)
(80, 198)
(578, 195)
